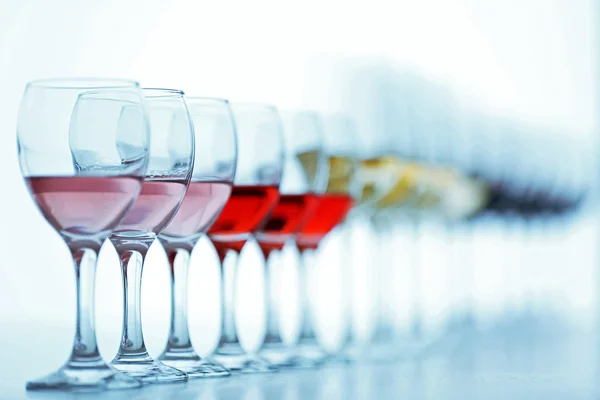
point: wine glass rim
(300, 112)
(162, 92)
(265, 106)
(82, 83)
(221, 100)
(338, 116)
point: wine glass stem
(85, 349)
(307, 332)
(469, 276)
(179, 336)
(383, 327)
(346, 272)
(228, 278)
(132, 340)
(417, 326)
(273, 335)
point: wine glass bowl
(300, 181)
(340, 192)
(340, 189)
(258, 173)
(88, 169)
(213, 173)
(169, 167)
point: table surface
(561, 366)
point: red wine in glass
(202, 204)
(84, 205)
(244, 213)
(331, 209)
(154, 207)
(289, 216)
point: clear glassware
(411, 182)
(387, 176)
(333, 206)
(255, 194)
(463, 145)
(83, 151)
(170, 164)
(301, 183)
(449, 196)
(207, 194)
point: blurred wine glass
(300, 188)
(208, 192)
(254, 195)
(333, 206)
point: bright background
(532, 59)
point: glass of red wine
(207, 194)
(83, 151)
(332, 208)
(300, 186)
(170, 164)
(254, 196)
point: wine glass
(449, 197)
(413, 188)
(333, 205)
(83, 151)
(170, 164)
(496, 143)
(255, 194)
(207, 194)
(385, 176)
(377, 98)
(300, 184)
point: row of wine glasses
(432, 159)
(107, 159)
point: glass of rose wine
(331, 210)
(254, 195)
(207, 194)
(83, 151)
(170, 164)
(300, 186)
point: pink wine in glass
(78, 205)
(154, 207)
(331, 209)
(200, 208)
(245, 212)
(290, 215)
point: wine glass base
(150, 371)
(301, 362)
(245, 364)
(393, 351)
(85, 379)
(336, 360)
(198, 368)
(284, 358)
(311, 351)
